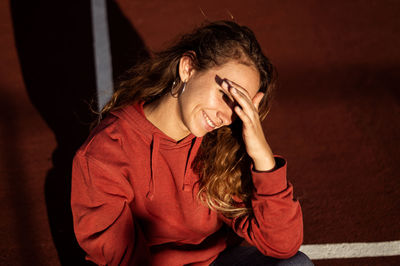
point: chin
(197, 128)
(198, 132)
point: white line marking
(351, 250)
(102, 53)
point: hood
(157, 140)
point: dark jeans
(243, 255)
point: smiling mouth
(208, 120)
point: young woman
(179, 164)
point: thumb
(257, 99)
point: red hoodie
(134, 200)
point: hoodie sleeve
(276, 225)
(103, 221)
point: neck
(165, 115)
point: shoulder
(106, 139)
(122, 134)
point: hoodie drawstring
(154, 151)
(154, 154)
(187, 180)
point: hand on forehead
(239, 75)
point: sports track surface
(335, 116)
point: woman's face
(205, 105)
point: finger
(243, 116)
(245, 93)
(238, 87)
(243, 100)
(225, 86)
(242, 97)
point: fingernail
(233, 90)
(226, 85)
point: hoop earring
(184, 87)
(173, 94)
(179, 92)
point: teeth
(209, 122)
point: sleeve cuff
(272, 181)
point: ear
(186, 69)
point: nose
(225, 115)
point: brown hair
(222, 162)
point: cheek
(200, 94)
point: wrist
(264, 164)
(263, 158)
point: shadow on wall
(54, 44)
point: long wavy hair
(225, 183)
